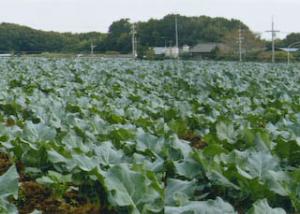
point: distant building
(204, 49)
(289, 49)
(185, 49)
(160, 50)
(170, 52)
(6, 55)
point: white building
(5, 55)
(185, 49)
(170, 52)
(160, 50)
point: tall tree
(119, 36)
(251, 43)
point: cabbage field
(122, 136)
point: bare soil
(34, 196)
(195, 140)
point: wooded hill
(17, 38)
(154, 32)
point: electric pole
(92, 48)
(176, 31)
(240, 41)
(134, 43)
(273, 32)
(176, 36)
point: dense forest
(155, 32)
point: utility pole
(92, 48)
(176, 35)
(273, 32)
(176, 31)
(134, 43)
(240, 41)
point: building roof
(289, 49)
(205, 47)
(5, 55)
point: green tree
(119, 36)
(251, 44)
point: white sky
(97, 15)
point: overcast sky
(97, 15)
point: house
(206, 49)
(289, 49)
(170, 52)
(6, 55)
(159, 50)
(185, 49)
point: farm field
(122, 136)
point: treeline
(151, 33)
(192, 30)
(17, 38)
(155, 32)
(161, 32)
(289, 40)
